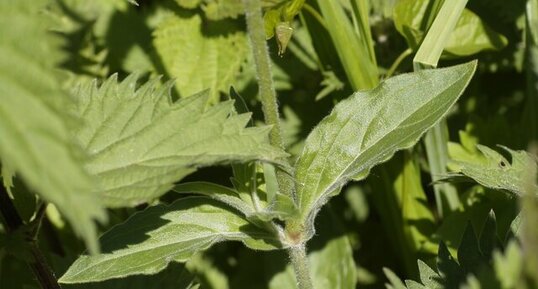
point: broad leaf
(494, 171)
(141, 142)
(369, 127)
(200, 56)
(148, 241)
(35, 141)
(471, 35)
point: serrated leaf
(140, 142)
(448, 268)
(35, 140)
(496, 172)
(199, 55)
(428, 276)
(221, 9)
(148, 241)
(471, 35)
(369, 127)
(469, 254)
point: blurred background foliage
(388, 221)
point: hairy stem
(268, 97)
(256, 32)
(43, 273)
(300, 265)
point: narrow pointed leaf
(140, 142)
(369, 127)
(148, 241)
(34, 129)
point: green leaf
(190, 4)
(471, 35)
(395, 282)
(221, 9)
(35, 141)
(496, 172)
(369, 127)
(140, 142)
(148, 241)
(200, 56)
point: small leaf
(140, 142)
(395, 281)
(428, 276)
(496, 172)
(369, 127)
(148, 241)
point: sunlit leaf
(148, 241)
(200, 56)
(140, 142)
(369, 127)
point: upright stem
(299, 260)
(256, 32)
(267, 92)
(38, 265)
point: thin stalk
(398, 61)
(436, 139)
(41, 270)
(315, 14)
(530, 119)
(256, 32)
(299, 260)
(361, 10)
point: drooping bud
(283, 32)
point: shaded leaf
(148, 241)
(141, 142)
(369, 127)
(35, 140)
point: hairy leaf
(471, 35)
(140, 142)
(35, 140)
(369, 127)
(148, 241)
(494, 171)
(200, 56)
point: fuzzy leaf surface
(140, 142)
(200, 56)
(369, 127)
(34, 128)
(494, 171)
(148, 241)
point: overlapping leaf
(200, 56)
(367, 128)
(471, 35)
(150, 240)
(35, 140)
(493, 170)
(140, 142)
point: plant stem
(398, 61)
(299, 261)
(256, 32)
(43, 273)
